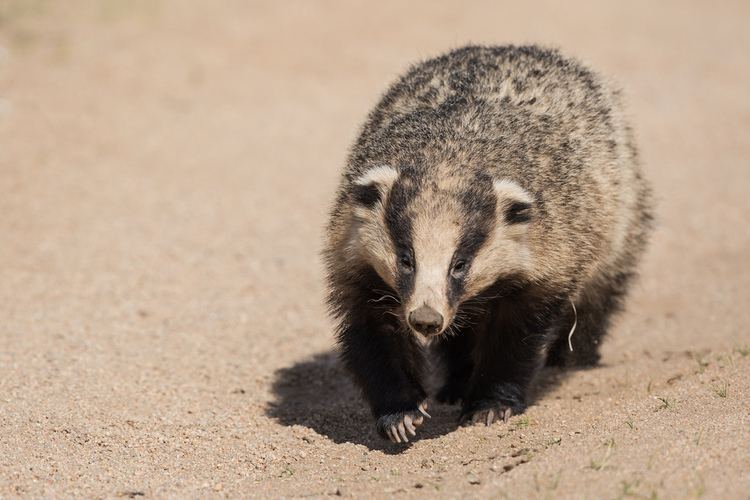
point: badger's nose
(426, 320)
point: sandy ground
(165, 172)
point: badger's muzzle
(426, 320)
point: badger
(492, 202)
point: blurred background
(165, 172)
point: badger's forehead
(447, 210)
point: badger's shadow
(317, 393)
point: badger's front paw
(490, 403)
(489, 410)
(488, 415)
(398, 426)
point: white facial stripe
(434, 239)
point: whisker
(384, 297)
(389, 311)
(386, 293)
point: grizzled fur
(516, 168)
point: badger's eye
(406, 263)
(459, 268)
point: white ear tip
(507, 188)
(382, 174)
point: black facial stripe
(469, 245)
(399, 225)
(472, 239)
(478, 205)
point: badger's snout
(426, 320)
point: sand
(165, 172)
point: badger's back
(533, 116)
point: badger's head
(439, 242)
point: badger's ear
(514, 203)
(373, 185)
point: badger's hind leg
(455, 353)
(592, 317)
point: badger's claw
(488, 415)
(423, 410)
(398, 426)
